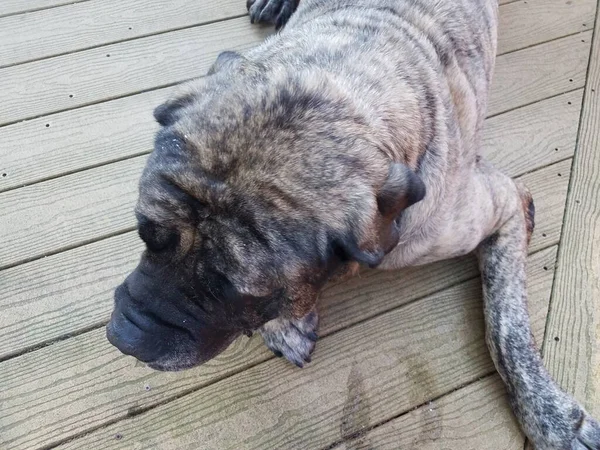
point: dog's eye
(156, 237)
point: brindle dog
(350, 137)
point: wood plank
(545, 19)
(79, 26)
(388, 365)
(99, 385)
(476, 417)
(34, 310)
(63, 212)
(533, 136)
(20, 6)
(77, 79)
(574, 360)
(63, 294)
(56, 31)
(532, 74)
(79, 139)
(43, 87)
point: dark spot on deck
(356, 414)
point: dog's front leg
(551, 419)
(293, 339)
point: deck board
(476, 417)
(544, 19)
(530, 75)
(109, 384)
(52, 32)
(83, 138)
(575, 320)
(264, 406)
(43, 87)
(10, 7)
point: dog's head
(258, 190)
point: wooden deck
(402, 362)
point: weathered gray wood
(82, 138)
(22, 6)
(43, 87)
(51, 32)
(55, 31)
(533, 74)
(73, 80)
(476, 417)
(544, 19)
(574, 360)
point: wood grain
(43, 87)
(55, 31)
(476, 417)
(545, 19)
(74, 140)
(73, 80)
(533, 136)
(62, 212)
(63, 294)
(71, 291)
(79, 26)
(91, 383)
(574, 360)
(22, 6)
(532, 74)
(359, 377)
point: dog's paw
(576, 431)
(276, 12)
(587, 435)
(294, 339)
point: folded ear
(168, 113)
(401, 189)
(225, 60)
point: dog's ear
(225, 60)
(168, 113)
(401, 189)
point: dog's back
(391, 53)
(418, 71)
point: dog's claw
(293, 339)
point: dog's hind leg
(551, 419)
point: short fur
(300, 159)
